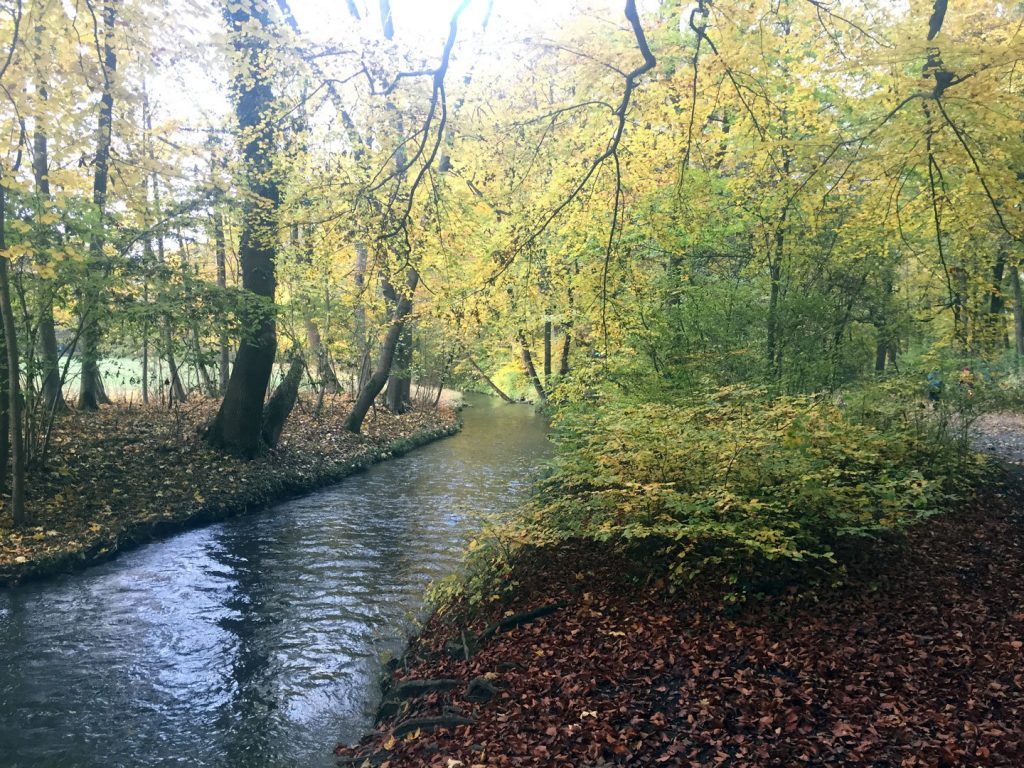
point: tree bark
(5, 415)
(563, 365)
(774, 274)
(374, 385)
(362, 344)
(238, 425)
(1018, 311)
(547, 352)
(397, 397)
(91, 393)
(53, 395)
(881, 352)
(197, 348)
(222, 283)
(326, 376)
(530, 368)
(281, 403)
(489, 381)
(145, 344)
(14, 401)
(995, 330)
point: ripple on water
(256, 641)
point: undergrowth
(736, 488)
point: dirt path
(1001, 434)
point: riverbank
(127, 475)
(918, 660)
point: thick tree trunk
(53, 395)
(14, 401)
(281, 403)
(881, 352)
(91, 393)
(374, 385)
(397, 397)
(563, 365)
(222, 283)
(239, 422)
(530, 368)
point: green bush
(738, 487)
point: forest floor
(126, 474)
(918, 660)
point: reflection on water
(257, 641)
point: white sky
(189, 92)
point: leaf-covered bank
(916, 661)
(130, 474)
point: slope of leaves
(126, 474)
(916, 661)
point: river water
(255, 642)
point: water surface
(256, 641)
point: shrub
(737, 486)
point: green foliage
(738, 487)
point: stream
(258, 641)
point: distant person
(934, 387)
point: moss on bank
(128, 475)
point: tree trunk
(145, 345)
(91, 393)
(326, 377)
(397, 397)
(881, 351)
(531, 370)
(176, 391)
(238, 425)
(961, 317)
(563, 365)
(281, 403)
(995, 330)
(489, 381)
(5, 413)
(1018, 312)
(14, 401)
(53, 395)
(774, 273)
(362, 344)
(197, 348)
(222, 283)
(547, 352)
(374, 385)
